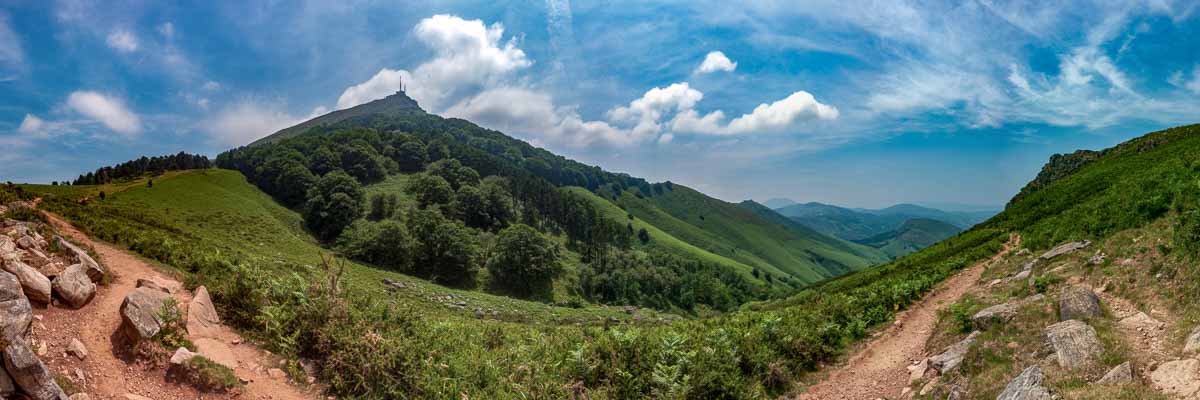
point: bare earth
(879, 369)
(109, 374)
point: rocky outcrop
(140, 313)
(35, 285)
(95, 272)
(202, 318)
(1119, 375)
(1027, 386)
(29, 374)
(74, 286)
(16, 314)
(953, 356)
(1192, 345)
(1002, 313)
(1077, 302)
(1074, 342)
(1064, 248)
(1179, 378)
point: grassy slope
(915, 234)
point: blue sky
(857, 103)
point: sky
(855, 103)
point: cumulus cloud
(647, 110)
(12, 57)
(122, 41)
(247, 121)
(468, 57)
(716, 61)
(528, 112)
(31, 125)
(107, 110)
(799, 106)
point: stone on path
(74, 286)
(77, 349)
(1064, 248)
(217, 351)
(139, 313)
(29, 373)
(1078, 302)
(1179, 378)
(94, 271)
(1074, 342)
(35, 285)
(202, 318)
(953, 356)
(1119, 375)
(1027, 386)
(16, 314)
(181, 356)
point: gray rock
(1178, 378)
(80, 396)
(202, 318)
(95, 272)
(994, 315)
(35, 285)
(1077, 302)
(181, 356)
(1192, 344)
(74, 286)
(27, 242)
(16, 314)
(7, 386)
(139, 313)
(1064, 248)
(953, 356)
(1119, 375)
(1074, 342)
(1027, 386)
(77, 349)
(29, 373)
(146, 283)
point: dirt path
(879, 369)
(106, 373)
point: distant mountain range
(896, 230)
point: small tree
(150, 183)
(429, 190)
(643, 236)
(453, 172)
(525, 261)
(333, 203)
(446, 251)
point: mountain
(913, 235)
(860, 224)
(677, 219)
(778, 202)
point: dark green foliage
(333, 203)
(323, 161)
(143, 166)
(488, 206)
(453, 172)
(429, 190)
(383, 206)
(24, 214)
(363, 163)
(410, 155)
(172, 334)
(643, 236)
(207, 375)
(446, 251)
(524, 261)
(664, 281)
(385, 243)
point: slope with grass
(859, 224)
(915, 234)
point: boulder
(1064, 248)
(35, 285)
(1078, 302)
(30, 374)
(16, 314)
(953, 356)
(140, 313)
(1192, 344)
(1001, 313)
(1074, 342)
(217, 351)
(149, 284)
(77, 349)
(1141, 322)
(7, 386)
(1027, 386)
(74, 286)
(181, 356)
(94, 271)
(27, 242)
(7, 245)
(202, 318)
(1179, 378)
(1119, 375)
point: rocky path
(108, 373)
(879, 369)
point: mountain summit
(397, 103)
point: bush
(172, 334)
(333, 203)
(525, 261)
(207, 375)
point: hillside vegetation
(915, 234)
(860, 224)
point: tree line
(144, 166)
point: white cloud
(211, 86)
(12, 57)
(650, 108)
(122, 41)
(468, 57)
(167, 29)
(31, 125)
(108, 110)
(716, 61)
(1191, 83)
(247, 121)
(533, 114)
(782, 114)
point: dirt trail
(106, 372)
(879, 369)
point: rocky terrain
(82, 324)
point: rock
(1023, 275)
(77, 349)
(1141, 322)
(80, 396)
(16, 314)
(1027, 386)
(26, 242)
(149, 284)
(131, 396)
(1064, 248)
(94, 271)
(181, 356)
(29, 373)
(1078, 302)
(35, 285)
(916, 372)
(1074, 342)
(953, 356)
(1192, 344)
(1180, 378)
(1119, 375)
(929, 386)
(217, 351)
(139, 313)
(74, 286)
(1097, 259)
(202, 318)
(994, 315)
(276, 373)
(7, 386)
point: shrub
(525, 261)
(207, 375)
(172, 334)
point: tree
(362, 162)
(324, 161)
(383, 205)
(410, 156)
(643, 236)
(292, 183)
(429, 190)
(333, 203)
(446, 251)
(524, 260)
(386, 243)
(453, 172)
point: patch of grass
(66, 384)
(208, 375)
